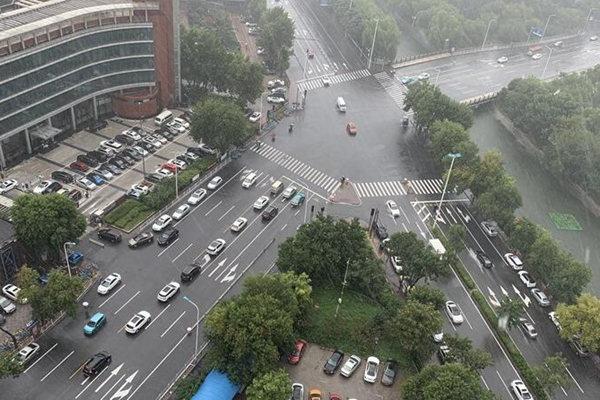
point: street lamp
(139, 103)
(486, 32)
(547, 61)
(546, 26)
(197, 322)
(337, 308)
(416, 16)
(67, 255)
(437, 76)
(453, 156)
(260, 124)
(587, 20)
(373, 44)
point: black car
(118, 162)
(380, 231)
(75, 195)
(62, 176)
(109, 235)
(167, 134)
(484, 259)
(96, 155)
(134, 155)
(141, 239)
(168, 237)
(147, 146)
(189, 272)
(89, 161)
(196, 151)
(269, 213)
(97, 125)
(52, 188)
(126, 159)
(389, 373)
(96, 364)
(333, 362)
(124, 139)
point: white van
(276, 188)
(163, 118)
(341, 104)
(249, 180)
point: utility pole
(454, 156)
(373, 44)
(547, 61)
(337, 308)
(486, 32)
(546, 27)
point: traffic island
(345, 194)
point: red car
(79, 166)
(170, 167)
(334, 396)
(351, 128)
(296, 355)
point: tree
(489, 173)
(456, 237)
(219, 123)
(412, 327)
(272, 385)
(247, 79)
(426, 294)
(509, 311)
(451, 137)
(44, 223)
(419, 261)
(523, 234)
(256, 9)
(461, 350)
(446, 382)
(581, 319)
(500, 202)
(247, 333)
(9, 366)
(276, 37)
(553, 374)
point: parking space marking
(57, 365)
(167, 248)
(174, 322)
(127, 302)
(212, 209)
(157, 317)
(39, 359)
(89, 384)
(184, 250)
(112, 295)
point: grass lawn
(354, 331)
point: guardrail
(484, 98)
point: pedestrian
(87, 194)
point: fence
(484, 98)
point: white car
(178, 163)
(260, 50)
(490, 228)
(214, 183)
(181, 211)
(143, 189)
(593, 38)
(502, 60)
(554, 318)
(396, 264)
(350, 366)
(275, 83)
(111, 144)
(141, 151)
(289, 192)
(109, 283)
(528, 328)
(164, 172)
(132, 134)
(520, 390)
(41, 187)
(371, 369)
(137, 322)
(254, 117)
(168, 291)
(540, 297)
(261, 202)
(107, 151)
(526, 279)
(239, 224)
(454, 312)
(197, 197)
(326, 81)
(27, 353)
(7, 185)
(438, 337)
(513, 261)
(537, 56)
(153, 141)
(7, 306)
(275, 100)
(423, 76)
(297, 391)
(215, 247)
(163, 140)
(249, 180)
(161, 223)
(191, 156)
(12, 292)
(86, 184)
(104, 173)
(176, 127)
(182, 122)
(393, 208)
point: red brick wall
(163, 52)
(125, 105)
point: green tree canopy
(276, 37)
(581, 319)
(270, 386)
(9, 365)
(256, 9)
(553, 374)
(426, 294)
(523, 234)
(44, 223)
(451, 137)
(461, 350)
(510, 311)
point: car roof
(96, 317)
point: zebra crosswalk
(297, 167)
(315, 83)
(398, 188)
(392, 87)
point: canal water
(542, 194)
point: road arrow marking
(493, 298)
(230, 275)
(524, 298)
(450, 214)
(112, 374)
(465, 217)
(219, 265)
(504, 292)
(122, 392)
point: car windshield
(4, 302)
(91, 324)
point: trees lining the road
(509, 313)
(44, 223)
(461, 350)
(277, 38)
(272, 385)
(552, 373)
(426, 294)
(214, 18)
(581, 319)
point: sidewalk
(247, 42)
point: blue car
(75, 258)
(94, 324)
(97, 179)
(298, 199)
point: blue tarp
(216, 386)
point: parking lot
(309, 372)
(40, 167)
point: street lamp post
(416, 16)
(350, 7)
(197, 322)
(67, 256)
(453, 156)
(547, 62)
(587, 20)
(437, 76)
(546, 26)
(337, 308)
(139, 103)
(373, 44)
(486, 32)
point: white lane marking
(112, 295)
(283, 227)
(574, 380)
(212, 209)
(180, 254)
(112, 387)
(38, 360)
(57, 365)
(127, 302)
(484, 382)
(89, 384)
(87, 378)
(226, 212)
(170, 326)
(158, 316)
(114, 372)
(504, 384)
(167, 248)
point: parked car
(95, 178)
(333, 362)
(79, 166)
(137, 322)
(75, 257)
(396, 264)
(181, 211)
(239, 224)
(315, 394)
(275, 83)
(299, 348)
(297, 391)
(61, 176)
(104, 173)
(298, 199)
(389, 373)
(86, 184)
(527, 279)
(41, 187)
(141, 239)
(275, 100)
(502, 60)
(87, 160)
(513, 261)
(214, 183)
(96, 364)
(167, 237)
(52, 188)
(109, 283)
(161, 223)
(350, 366)
(131, 152)
(94, 324)
(7, 306)
(97, 125)
(578, 347)
(216, 246)
(197, 197)
(261, 202)
(289, 192)
(520, 390)
(255, 116)
(109, 235)
(111, 144)
(554, 318)
(371, 369)
(27, 353)
(351, 128)
(12, 292)
(98, 156)
(269, 213)
(380, 231)
(125, 139)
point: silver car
(350, 366)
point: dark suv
(380, 231)
(96, 155)
(270, 213)
(97, 363)
(62, 176)
(109, 235)
(333, 362)
(87, 160)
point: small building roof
(216, 385)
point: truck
(534, 49)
